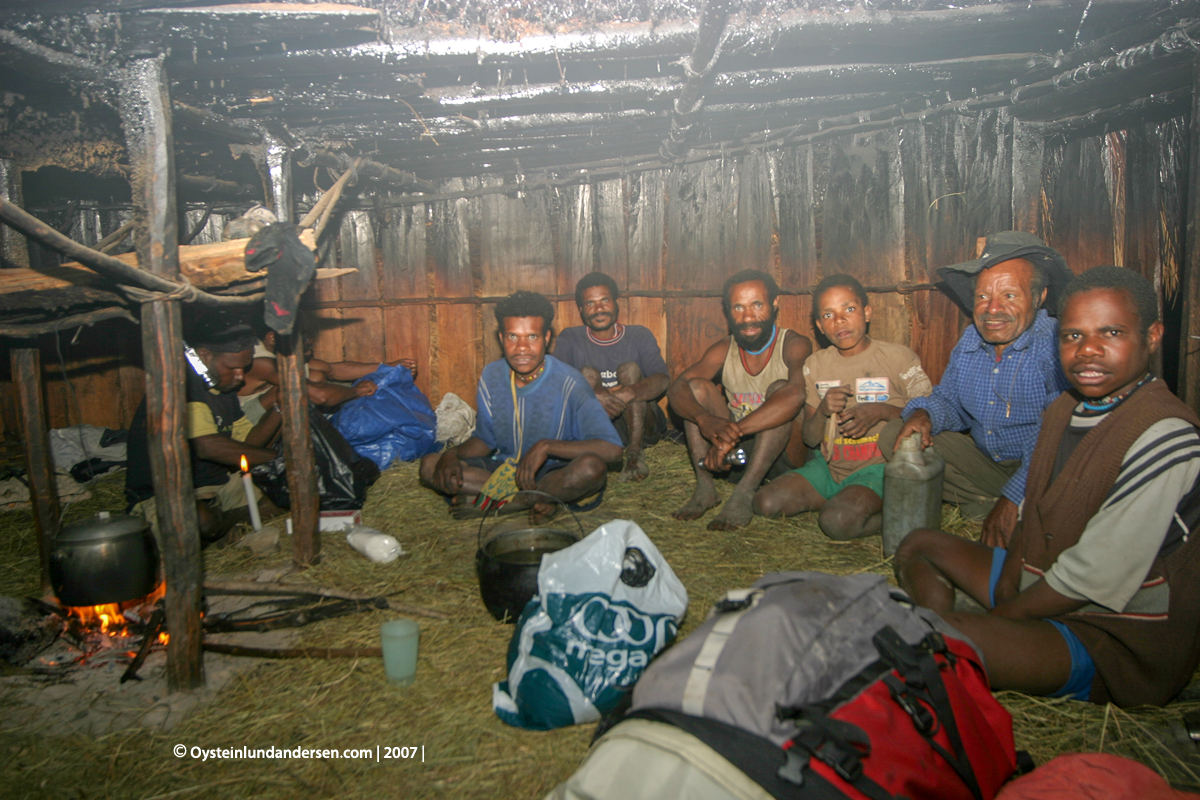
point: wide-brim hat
(1003, 246)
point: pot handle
(483, 520)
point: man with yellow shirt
(218, 433)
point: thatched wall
(888, 207)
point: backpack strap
(733, 606)
(779, 772)
(920, 682)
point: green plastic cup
(399, 638)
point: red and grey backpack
(814, 687)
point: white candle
(251, 503)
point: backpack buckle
(900, 655)
(792, 770)
(737, 600)
(922, 719)
(845, 762)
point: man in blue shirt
(539, 426)
(622, 363)
(1002, 375)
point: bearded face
(752, 327)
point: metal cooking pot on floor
(109, 558)
(508, 562)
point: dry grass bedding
(468, 753)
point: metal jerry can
(912, 491)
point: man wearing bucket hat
(1002, 375)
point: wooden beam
(210, 186)
(43, 493)
(146, 117)
(703, 58)
(297, 449)
(369, 169)
(120, 270)
(1188, 387)
(14, 250)
(1028, 154)
(1143, 195)
(208, 265)
(215, 125)
(278, 169)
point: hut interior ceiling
(462, 88)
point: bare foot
(736, 513)
(462, 506)
(704, 498)
(635, 468)
(543, 512)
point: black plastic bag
(343, 476)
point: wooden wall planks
(887, 207)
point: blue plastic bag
(395, 422)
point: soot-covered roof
(434, 90)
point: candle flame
(245, 464)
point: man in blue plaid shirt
(1002, 374)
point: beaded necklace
(1107, 403)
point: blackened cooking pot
(508, 562)
(109, 558)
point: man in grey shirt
(622, 363)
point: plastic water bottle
(912, 491)
(375, 545)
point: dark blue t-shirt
(635, 343)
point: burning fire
(245, 464)
(110, 618)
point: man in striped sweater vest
(1096, 596)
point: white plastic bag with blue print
(605, 606)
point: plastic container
(375, 545)
(399, 639)
(912, 491)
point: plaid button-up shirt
(1000, 402)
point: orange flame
(164, 637)
(245, 464)
(109, 618)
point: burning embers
(109, 634)
(116, 625)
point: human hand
(530, 463)
(718, 430)
(1000, 523)
(365, 388)
(613, 405)
(920, 422)
(834, 401)
(858, 420)
(714, 460)
(448, 474)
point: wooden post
(146, 117)
(279, 173)
(293, 391)
(297, 449)
(1142, 224)
(1028, 153)
(1188, 388)
(43, 492)
(14, 249)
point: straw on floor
(457, 748)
